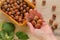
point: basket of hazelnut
(15, 10)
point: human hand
(45, 30)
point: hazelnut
(16, 10)
(27, 8)
(9, 5)
(53, 8)
(18, 6)
(7, 1)
(21, 4)
(15, 4)
(16, 17)
(36, 18)
(51, 21)
(24, 6)
(18, 2)
(31, 18)
(40, 21)
(14, 0)
(17, 13)
(11, 1)
(5, 6)
(37, 26)
(13, 12)
(24, 11)
(11, 9)
(12, 16)
(4, 3)
(8, 9)
(21, 12)
(9, 13)
(54, 16)
(24, 3)
(55, 25)
(20, 19)
(21, 8)
(4, 10)
(14, 7)
(33, 23)
(22, 15)
(21, 1)
(43, 2)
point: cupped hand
(45, 30)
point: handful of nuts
(35, 20)
(16, 9)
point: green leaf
(8, 27)
(22, 35)
(9, 37)
(0, 39)
(2, 35)
(23, 39)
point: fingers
(31, 27)
(46, 28)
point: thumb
(31, 27)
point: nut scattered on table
(51, 21)
(53, 7)
(43, 2)
(54, 16)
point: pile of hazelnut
(16, 9)
(36, 21)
